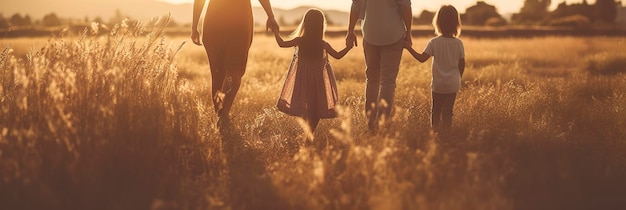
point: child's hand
(274, 30)
(349, 45)
(407, 44)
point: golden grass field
(125, 121)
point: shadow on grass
(249, 185)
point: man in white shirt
(386, 24)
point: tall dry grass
(100, 122)
(125, 121)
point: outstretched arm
(407, 17)
(420, 57)
(198, 5)
(271, 22)
(332, 52)
(283, 43)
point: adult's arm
(271, 21)
(355, 10)
(198, 5)
(407, 16)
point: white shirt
(446, 52)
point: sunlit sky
(508, 6)
(137, 8)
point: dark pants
(441, 114)
(383, 63)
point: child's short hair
(447, 21)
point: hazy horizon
(510, 6)
(181, 9)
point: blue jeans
(382, 65)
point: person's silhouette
(227, 36)
(310, 89)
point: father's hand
(272, 25)
(351, 39)
(408, 40)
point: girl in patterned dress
(310, 90)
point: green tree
(533, 11)
(605, 11)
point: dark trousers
(441, 115)
(383, 63)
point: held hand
(406, 44)
(349, 45)
(195, 37)
(272, 25)
(408, 41)
(351, 39)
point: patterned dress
(310, 89)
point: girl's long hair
(447, 21)
(311, 30)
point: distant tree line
(53, 20)
(533, 12)
(481, 14)
(536, 12)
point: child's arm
(462, 66)
(420, 57)
(334, 53)
(283, 43)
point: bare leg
(232, 83)
(218, 74)
(313, 123)
(217, 93)
(227, 68)
(231, 87)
